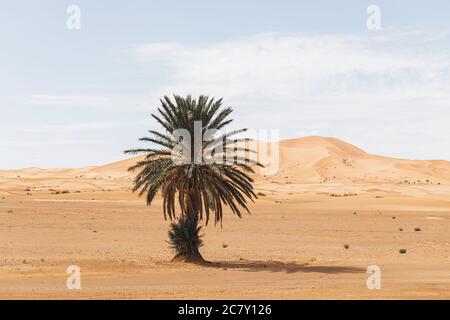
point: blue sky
(72, 98)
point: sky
(79, 97)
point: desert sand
(330, 212)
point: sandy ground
(291, 247)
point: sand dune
(330, 212)
(319, 158)
(310, 159)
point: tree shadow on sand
(278, 266)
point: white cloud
(74, 127)
(68, 100)
(302, 63)
(355, 84)
(81, 101)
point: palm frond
(197, 190)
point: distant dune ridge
(309, 159)
(323, 158)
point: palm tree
(201, 187)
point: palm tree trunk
(194, 256)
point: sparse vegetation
(59, 192)
(347, 194)
(402, 251)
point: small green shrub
(184, 237)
